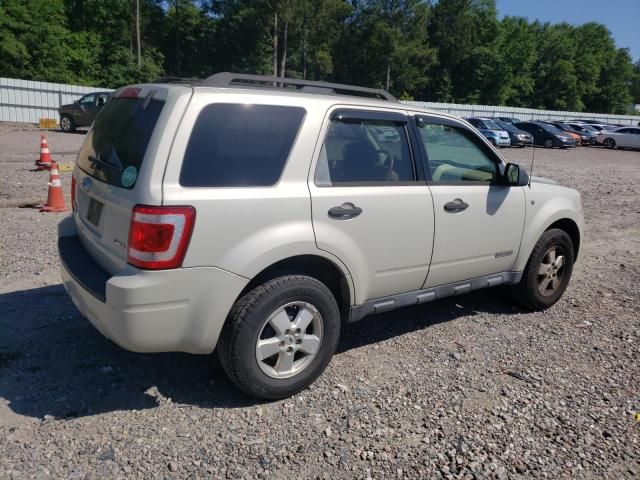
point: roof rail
(228, 79)
(175, 80)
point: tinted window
(455, 155)
(237, 145)
(364, 151)
(114, 148)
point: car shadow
(54, 363)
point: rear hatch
(121, 164)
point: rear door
(369, 207)
(120, 164)
(478, 220)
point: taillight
(73, 193)
(159, 236)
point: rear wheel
(280, 337)
(67, 124)
(548, 271)
(609, 143)
(548, 143)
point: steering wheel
(386, 161)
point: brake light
(73, 193)
(130, 93)
(159, 236)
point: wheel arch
(321, 268)
(571, 228)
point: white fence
(523, 113)
(26, 101)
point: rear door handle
(457, 205)
(345, 211)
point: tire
(609, 143)
(493, 141)
(260, 319)
(529, 292)
(67, 124)
(548, 143)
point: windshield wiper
(99, 161)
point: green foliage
(444, 50)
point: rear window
(114, 148)
(238, 145)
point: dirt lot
(470, 387)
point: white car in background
(621, 137)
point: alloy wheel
(551, 271)
(289, 340)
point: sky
(622, 17)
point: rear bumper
(181, 310)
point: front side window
(455, 155)
(238, 145)
(88, 99)
(365, 152)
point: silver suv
(255, 216)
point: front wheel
(609, 143)
(547, 274)
(66, 124)
(280, 337)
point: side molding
(385, 304)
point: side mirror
(515, 175)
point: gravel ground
(467, 388)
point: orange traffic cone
(44, 163)
(55, 197)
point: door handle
(457, 205)
(345, 211)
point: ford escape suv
(254, 216)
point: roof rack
(228, 79)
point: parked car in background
(547, 135)
(508, 119)
(621, 137)
(82, 112)
(519, 138)
(490, 129)
(584, 137)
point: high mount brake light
(130, 93)
(159, 236)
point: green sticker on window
(129, 176)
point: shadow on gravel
(53, 362)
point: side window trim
(477, 141)
(352, 114)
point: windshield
(551, 129)
(115, 146)
(491, 125)
(506, 126)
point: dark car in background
(82, 112)
(547, 135)
(586, 137)
(519, 138)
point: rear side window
(237, 145)
(114, 148)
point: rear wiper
(99, 161)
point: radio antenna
(533, 158)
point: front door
(368, 207)
(478, 219)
